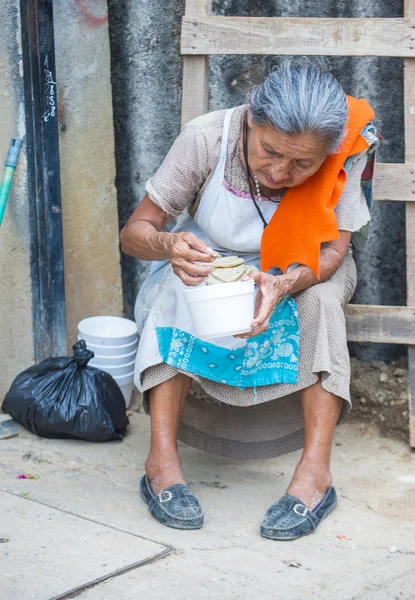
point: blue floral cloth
(268, 358)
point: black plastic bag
(64, 398)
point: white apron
(230, 225)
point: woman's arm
(272, 289)
(142, 238)
(331, 257)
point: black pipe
(39, 74)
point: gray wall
(146, 78)
(16, 331)
(86, 149)
(89, 203)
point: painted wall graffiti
(50, 91)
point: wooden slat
(195, 71)
(409, 96)
(300, 36)
(381, 324)
(394, 182)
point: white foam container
(126, 385)
(121, 350)
(124, 379)
(116, 370)
(112, 361)
(108, 331)
(223, 309)
(127, 391)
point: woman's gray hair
(300, 98)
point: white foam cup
(111, 350)
(116, 370)
(124, 379)
(112, 361)
(108, 331)
(222, 309)
(127, 391)
(126, 385)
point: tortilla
(212, 280)
(215, 254)
(230, 274)
(225, 262)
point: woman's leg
(167, 402)
(312, 477)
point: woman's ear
(250, 123)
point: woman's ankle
(164, 471)
(310, 481)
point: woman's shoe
(289, 518)
(175, 507)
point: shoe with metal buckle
(289, 518)
(175, 506)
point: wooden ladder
(204, 35)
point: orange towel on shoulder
(305, 217)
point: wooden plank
(394, 182)
(298, 36)
(195, 87)
(380, 324)
(195, 71)
(409, 97)
(411, 375)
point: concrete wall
(146, 83)
(90, 219)
(146, 72)
(89, 207)
(16, 335)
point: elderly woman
(278, 182)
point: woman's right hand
(185, 250)
(142, 237)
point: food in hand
(213, 253)
(225, 262)
(229, 274)
(228, 269)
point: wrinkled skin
(280, 160)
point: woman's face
(280, 160)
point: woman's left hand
(272, 289)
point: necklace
(258, 191)
(249, 175)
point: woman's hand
(142, 237)
(184, 251)
(272, 289)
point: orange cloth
(305, 217)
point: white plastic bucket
(116, 370)
(108, 331)
(223, 309)
(111, 350)
(112, 361)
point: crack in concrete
(73, 514)
(73, 593)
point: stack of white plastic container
(114, 341)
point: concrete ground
(82, 519)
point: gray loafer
(289, 518)
(175, 506)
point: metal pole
(49, 312)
